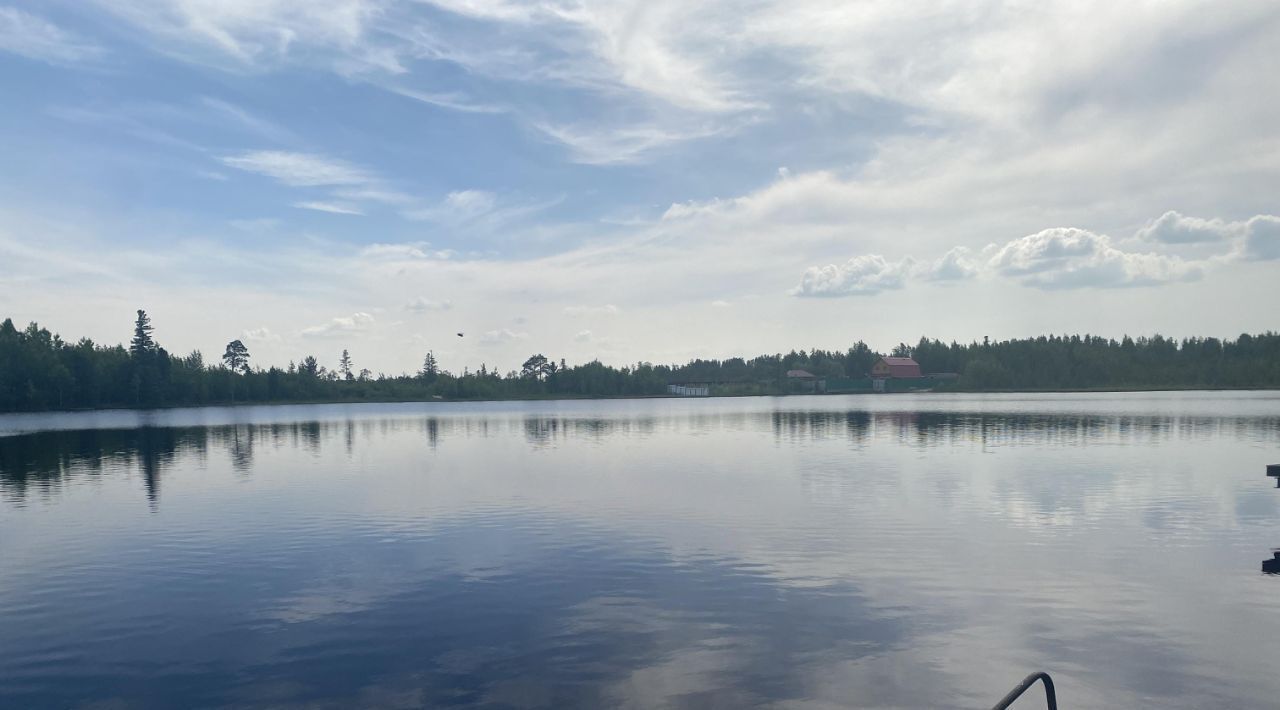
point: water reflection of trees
(44, 462)
(988, 428)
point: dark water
(891, 551)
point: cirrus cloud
(34, 37)
(298, 169)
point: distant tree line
(40, 371)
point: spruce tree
(142, 343)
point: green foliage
(40, 371)
(236, 357)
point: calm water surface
(862, 551)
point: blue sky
(628, 181)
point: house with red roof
(895, 368)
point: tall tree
(344, 366)
(142, 343)
(236, 357)
(537, 367)
(430, 368)
(310, 366)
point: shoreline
(573, 398)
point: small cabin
(895, 368)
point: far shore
(571, 398)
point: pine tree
(142, 343)
(344, 366)
(236, 357)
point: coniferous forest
(41, 371)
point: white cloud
(298, 169)
(1262, 238)
(501, 336)
(250, 31)
(406, 251)
(1051, 259)
(585, 311)
(720, 304)
(36, 38)
(347, 325)
(861, 275)
(583, 336)
(424, 305)
(454, 101)
(956, 265)
(457, 206)
(1254, 239)
(621, 145)
(331, 207)
(373, 194)
(218, 111)
(1066, 257)
(1174, 228)
(263, 335)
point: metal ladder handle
(1050, 697)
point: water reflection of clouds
(612, 622)
(690, 557)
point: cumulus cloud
(354, 323)
(956, 265)
(1067, 257)
(1174, 228)
(298, 169)
(1051, 259)
(424, 305)
(330, 207)
(583, 336)
(580, 311)
(1254, 239)
(501, 336)
(1262, 238)
(36, 38)
(861, 275)
(720, 304)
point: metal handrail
(1050, 697)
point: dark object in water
(1272, 566)
(1050, 697)
(1273, 470)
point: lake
(841, 551)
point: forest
(41, 371)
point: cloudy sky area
(651, 180)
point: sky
(635, 181)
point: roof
(902, 366)
(803, 374)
